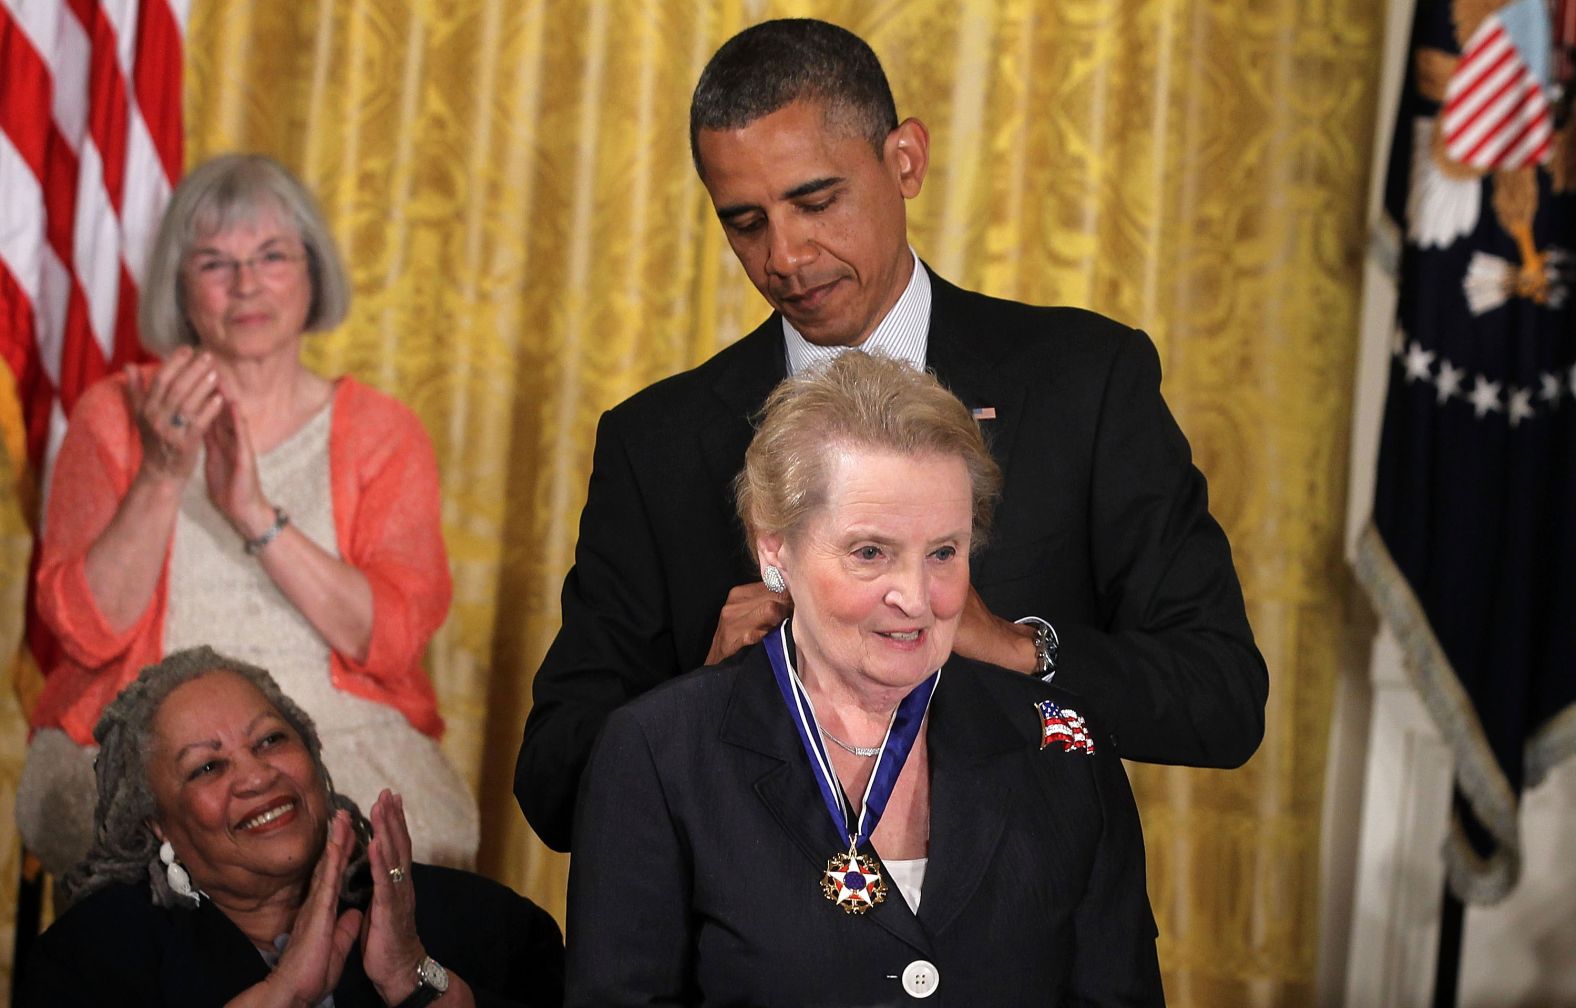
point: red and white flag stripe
(90, 145)
(1496, 115)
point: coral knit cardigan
(384, 482)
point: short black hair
(775, 63)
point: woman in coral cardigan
(230, 496)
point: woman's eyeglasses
(222, 271)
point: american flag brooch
(1063, 725)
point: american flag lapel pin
(1064, 725)
(984, 412)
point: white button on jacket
(921, 978)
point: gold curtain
(510, 182)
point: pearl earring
(176, 874)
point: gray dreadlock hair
(124, 847)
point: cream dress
(221, 597)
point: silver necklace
(864, 752)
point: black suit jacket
(117, 948)
(1103, 529)
(701, 841)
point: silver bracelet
(255, 546)
(1046, 644)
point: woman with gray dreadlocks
(225, 869)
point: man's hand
(986, 637)
(750, 613)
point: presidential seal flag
(1471, 553)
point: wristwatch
(1045, 646)
(432, 982)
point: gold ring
(396, 875)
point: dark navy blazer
(702, 839)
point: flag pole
(1447, 967)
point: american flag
(1496, 113)
(90, 146)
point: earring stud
(774, 580)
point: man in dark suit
(1103, 530)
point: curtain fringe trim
(1473, 879)
(1551, 744)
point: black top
(117, 948)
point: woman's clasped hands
(323, 937)
(185, 407)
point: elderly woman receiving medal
(847, 813)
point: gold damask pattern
(529, 245)
(15, 543)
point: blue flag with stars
(1471, 554)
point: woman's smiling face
(879, 574)
(237, 792)
(248, 289)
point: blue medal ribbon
(902, 732)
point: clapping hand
(173, 410)
(321, 939)
(390, 947)
(230, 467)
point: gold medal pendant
(853, 882)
